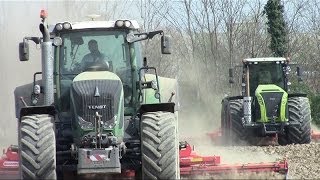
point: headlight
(57, 41)
(63, 26)
(66, 25)
(110, 123)
(119, 23)
(59, 27)
(123, 23)
(127, 24)
(85, 125)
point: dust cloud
(201, 115)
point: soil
(303, 159)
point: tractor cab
(95, 46)
(266, 82)
(266, 72)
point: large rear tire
(299, 112)
(159, 146)
(225, 124)
(37, 147)
(238, 134)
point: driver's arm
(84, 62)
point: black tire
(37, 147)
(225, 125)
(299, 112)
(159, 146)
(282, 140)
(238, 133)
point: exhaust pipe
(247, 109)
(47, 62)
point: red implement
(190, 164)
(9, 163)
(193, 164)
(315, 136)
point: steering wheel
(98, 66)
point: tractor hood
(272, 101)
(97, 92)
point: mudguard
(24, 92)
(37, 110)
(167, 87)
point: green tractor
(265, 108)
(97, 110)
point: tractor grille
(272, 101)
(91, 96)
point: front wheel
(299, 112)
(238, 133)
(159, 146)
(37, 147)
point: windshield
(265, 73)
(80, 49)
(83, 49)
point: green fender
(167, 86)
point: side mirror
(231, 72)
(299, 73)
(165, 45)
(24, 51)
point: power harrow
(191, 164)
(9, 163)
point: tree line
(211, 36)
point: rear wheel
(159, 146)
(37, 147)
(238, 133)
(225, 123)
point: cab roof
(99, 24)
(265, 59)
(95, 24)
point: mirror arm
(150, 35)
(153, 33)
(34, 39)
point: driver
(94, 57)
(265, 77)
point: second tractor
(265, 106)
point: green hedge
(314, 99)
